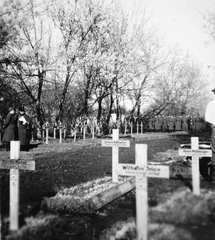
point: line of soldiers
(169, 123)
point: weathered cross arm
(150, 170)
(17, 164)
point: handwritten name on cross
(15, 164)
(115, 143)
(195, 153)
(142, 171)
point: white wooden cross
(93, 130)
(142, 171)
(195, 153)
(15, 164)
(125, 128)
(60, 132)
(131, 128)
(141, 126)
(115, 143)
(137, 128)
(47, 132)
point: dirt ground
(64, 165)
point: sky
(182, 23)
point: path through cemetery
(65, 165)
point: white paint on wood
(15, 164)
(141, 193)
(115, 156)
(115, 143)
(47, 135)
(60, 130)
(195, 166)
(195, 153)
(15, 150)
(14, 199)
(54, 133)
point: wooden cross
(93, 130)
(64, 131)
(47, 132)
(60, 132)
(131, 128)
(142, 171)
(137, 128)
(15, 164)
(195, 153)
(125, 128)
(115, 143)
(141, 126)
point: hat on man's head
(21, 108)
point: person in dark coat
(10, 126)
(24, 129)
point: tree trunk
(110, 109)
(99, 110)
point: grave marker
(115, 143)
(47, 135)
(142, 171)
(195, 153)
(84, 132)
(93, 130)
(125, 128)
(141, 126)
(15, 164)
(55, 127)
(60, 132)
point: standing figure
(157, 124)
(165, 124)
(184, 123)
(10, 128)
(171, 124)
(178, 124)
(24, 129)
(210, 118)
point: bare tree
(29, 52)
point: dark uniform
(10, 126)
(24, 129)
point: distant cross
(131, 128)
(125, 128)
(115, 143)
(47, 132)
(93, 130)
(137, 128)
(141, 125)
(15, 164)
(64, 131)
(195, 153)
(142, 171)
(60, 132)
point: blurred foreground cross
(142, 171)
(15, 164)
